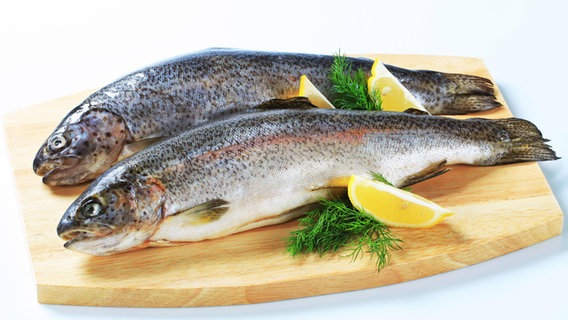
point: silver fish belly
(165, 99)
(255, 168)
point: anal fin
(431, 171)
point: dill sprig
(349, 87)
(336, 225)
(379, 177)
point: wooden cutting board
(497, 210)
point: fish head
(113, 219)
(81, 148)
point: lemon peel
(392, 206)
(309, 90)
(394, 95)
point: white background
(50, 49)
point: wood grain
(498, 210)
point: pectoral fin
(203, 213)
(134, 147)
(431, 171)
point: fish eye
(57, 142)
(91, 208)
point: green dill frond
(349, 87)
(380, 178)
(322, 230)
(337, 225)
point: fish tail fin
(525, 142)
(462, 93)
(468, 103)
(470, 84)
(469, 93)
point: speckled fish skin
(253, 169)
(170, 97)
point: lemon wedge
(308, 90)
(394, 96)
(392, 206)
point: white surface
(55, 48)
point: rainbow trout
(256, 168)
(165, 99)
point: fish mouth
(53, 171)
(103, 241)
(72, 237)
(62, 177)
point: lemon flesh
(394, 96)
(308, 90)
(392, 206)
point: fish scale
(166, 99)
(256, 168)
